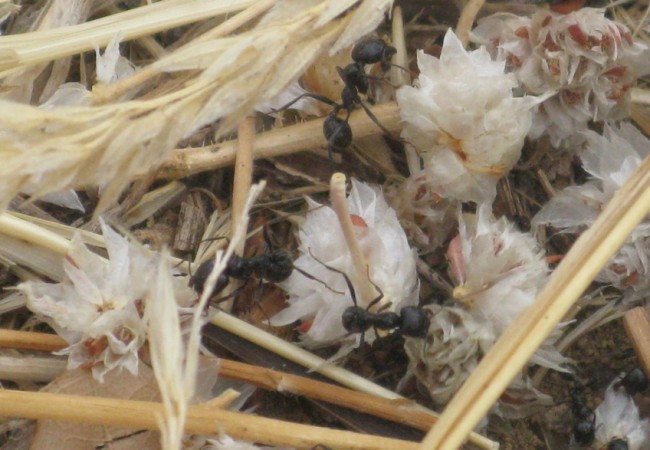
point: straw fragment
(637, 327)
(466, 20)
(277, 142)
(200, 420)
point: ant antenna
(347, 279)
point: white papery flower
(610, 160)
(618, 417)
(462, 118)
(383, 242)
(589, 60)
(498, 272)
(97, 308)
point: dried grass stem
(277, 142)
(200, 420)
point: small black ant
(412, 321)
(584, 427)
(618, 444)
(635, 381)
(337, 131)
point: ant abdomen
(337, 131)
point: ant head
(355, 320)
(371, 51)
(415, 321)
(635, 381)
(337, 131)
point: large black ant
(337, 131)
(412, 321)
(274, 266)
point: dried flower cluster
(497, 271)
(464, 121)
(97, 309)
(391, 265)
(588, 61)
(610, 159)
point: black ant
(274, 266)
(584, 426)
(635, 381)
(337, 131)
(412, 321)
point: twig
(637, 328)
(21, 229)
(200, 420)
(27, 340)
(399, 77)
(27, 368)
(521, 339)
(243, 174)
(400, 411)
(340, 206)
(466, 20)
(277, 142)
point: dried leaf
(55, 435)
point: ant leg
(376, 121)
(119, 438)
(320, 98)
(256, 300)
(377, 299)
(347, 279)
(313, 278)
(233, 294)
(267, 238)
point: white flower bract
(618, 417)
(462, 118)
(383, 242)
(610, 159)
(589, 60)
(96, 308)
(498, 272)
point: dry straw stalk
(277, 142)
(401, 411)
(637, 327)
(200, 420)
(514, 348)
(22, 50)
